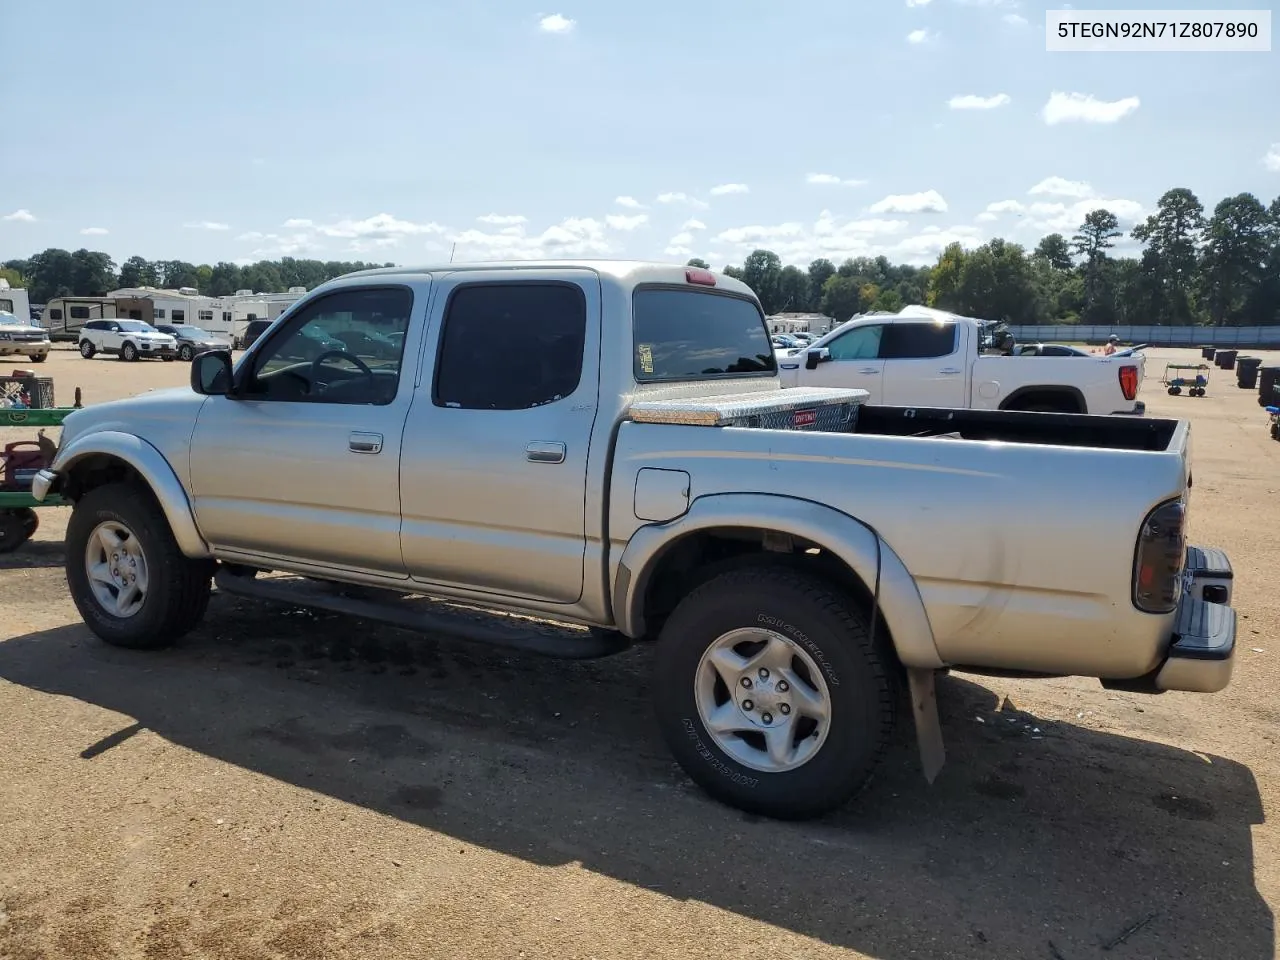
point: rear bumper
(1139, 410)
(1202, 652)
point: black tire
(17, 526)
(828, 626)
(38, 357)
(128, 352)
(178, 589)
(186, 352)
(1275, 431)
(87, 349)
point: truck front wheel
(131, 583)
(770, 694)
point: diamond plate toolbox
(821, 409)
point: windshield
(193, 333)
(136, 326)
(8, 318)
(688, 335)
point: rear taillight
(1129, 382)
(1160, 558)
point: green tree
(1095, 237)
(138, 272)
(696, 262)
(820, 271)
(1173, 235)
(1240, 238)
(841, 297)
(1055, 252)
(93, 274)
(51, 274)
(793, 291)
(944, 279)
(762, 272)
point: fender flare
(155, 472)
(853, 541)
(1050, 388)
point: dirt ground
(290, 785)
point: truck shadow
(1038, 840)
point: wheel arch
(105, 456)
(1046, 393)
(778, 528)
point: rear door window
(917, 341)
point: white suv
(129, 339)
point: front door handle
(949, 370)
(869, 370)
(545, 452)
(361, 442)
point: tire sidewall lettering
(802, 638)
(712, 758)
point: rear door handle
(540, 451)
(361, 442)
(949, 370)
(869, 370)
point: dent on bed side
(154, 470)
(843, 536)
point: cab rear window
(682, 334)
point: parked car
(373, 345)
(918, 359)
(19, 338)
(252, 332)
(552, 444)
(192, 340)
(128, 339)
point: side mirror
(211, 373)
(816, 356)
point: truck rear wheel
(770, 694)
(131, 583)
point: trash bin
(1208, 352)
(1247, 372)
(1226, 359)
(1268, 379)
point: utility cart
(19, 462)
(1193, 376)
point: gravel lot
(287, 784)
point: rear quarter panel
(1023, 554)
(1097, 379)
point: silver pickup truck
(601, 453)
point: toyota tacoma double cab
(601, 453)
(927, 357)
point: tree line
(1221, 269)
(89, 273)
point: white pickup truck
(928, 358)
(603, 450)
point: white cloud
(574, 237)
(206, 225)
(381, 226)
(918, 3)
(681, 240)
(837, 238)
(1014, 20)
(21, 216)
(1066, 218)
(920, 36)
(1085, 108)
(297, 223)
(830, 179)
(727, 188)
(556, 23)
(631, 203)
(993, 210)
(623, 222)
(501, 220)
(693, 225)
(1272, 158)
(970, 101)
(678, 197)
(675, 251)
(94, 232)
(1061, 187)
(278, 244)
(928, 201)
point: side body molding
(154, 470)
(847, 538)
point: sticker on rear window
(646, 357)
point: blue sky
(392, 130)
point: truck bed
(1056, 429)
